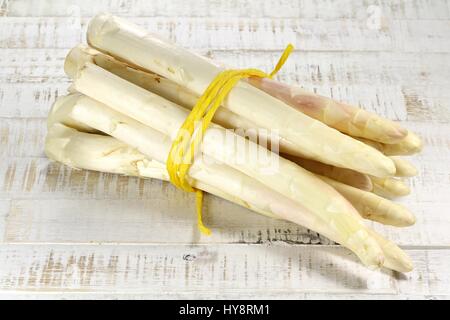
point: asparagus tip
(401, 217)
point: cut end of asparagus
(97, 26)
(75, 59)
(98, 152)
(59, 113)
(57, 138)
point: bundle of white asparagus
(132, 92)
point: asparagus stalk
(343, 117)
(150, 81)
(389, 187)
(83, 150)
(104, 153)
(403, 167)
(335, 217)
(395, 258)
(374, 207)
(410, 145)
(315, 139)
(171, 91)
(58, 114)
(353, 178)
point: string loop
(182, 151)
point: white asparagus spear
(171, 91)
(315, 139)
(83, 150)
(343, 117)
(150, 81)
(389, 187)
(104, 153)
(331, 211)
(403, 168)
(374, 207)
(59, 115)
(412, 144)
(352, 178)
(394, 257)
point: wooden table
(79, 234)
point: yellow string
(183, 148)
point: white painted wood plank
(422, 35)
(3, 7)
(241, 33)
(215, 270)
(256, 33)
(145, 221)
(385, 68)
(318, 9)
(30, 100)
(5, 208)
(22, 137)
(275, 295)
(403, 86)
(165, 216)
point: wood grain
(255, 33)
(5, 207)
(67, 233)
(405, 87)
(213, 271)
(318, 9)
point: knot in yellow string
(183, 148)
